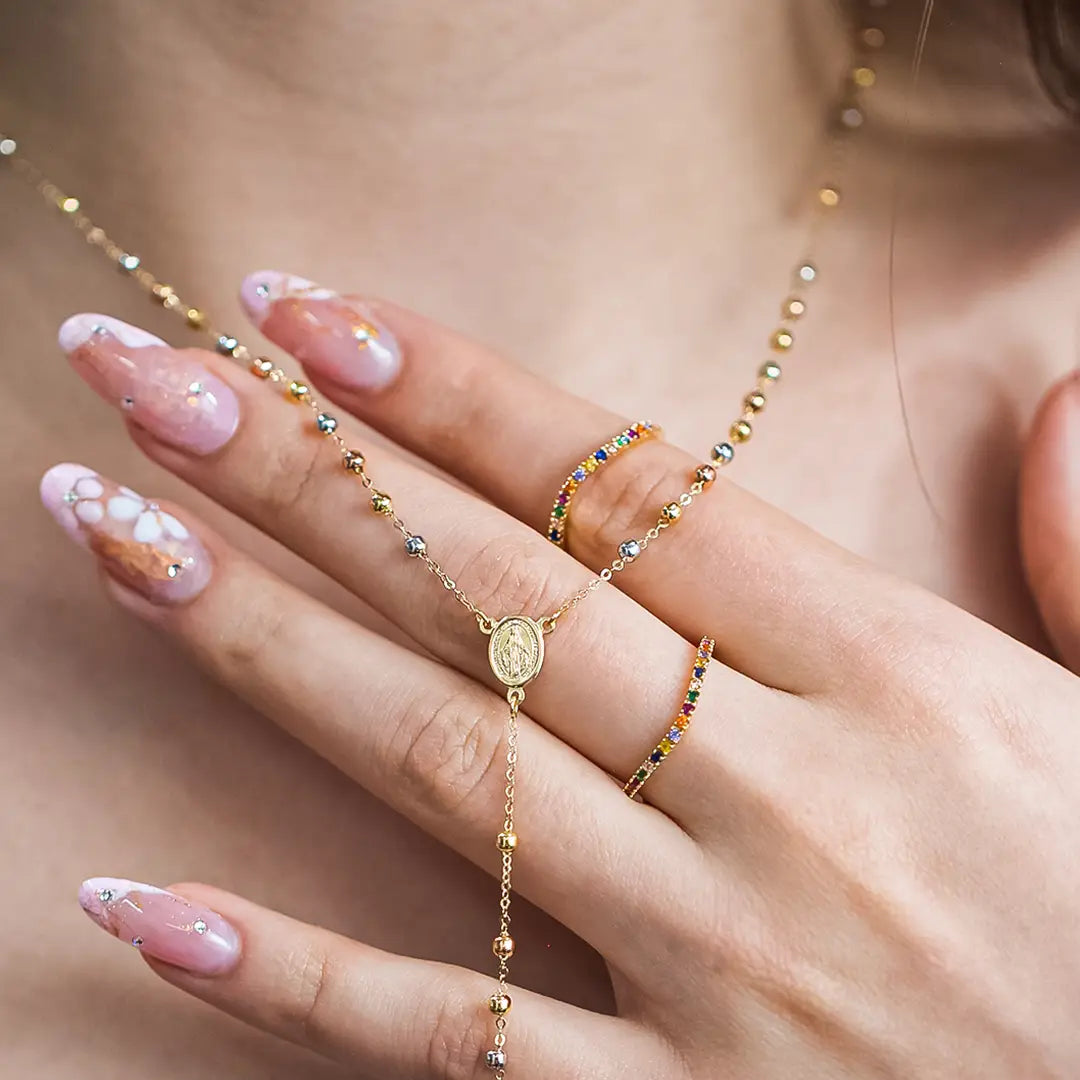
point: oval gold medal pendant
(516, 650)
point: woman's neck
(629, 163)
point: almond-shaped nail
(140, 545)
(337, 337)
(164, 390)
(162, 924)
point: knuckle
(252, 640)
(458, 1038)
(510, 572)
(287, 475)
(311, 980)
(622, 502)
(448, 756)
(466, 403)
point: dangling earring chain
(516, 642)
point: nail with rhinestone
(166, 392)
(141, 545)
(162, 924)
(335, 337)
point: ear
(1050, 516)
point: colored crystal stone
(554, 534)
(642, 774)
(687, 709)
(579, 474)
(675, 734)
(693, 695)
(600, 455)
(655, 756)
(559, 511)
(564, 498)
(665, 746)
(682, 723)
(698, 672)
(590, 465)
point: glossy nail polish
(141, 545)
(334, 336)
(164, 390)
(162, 924)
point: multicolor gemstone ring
(618, 444)
(678, 726)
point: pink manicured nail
(164, 390)
(162, 925)
(140, 545)
(334, 336)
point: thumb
(1050, 516)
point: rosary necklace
(516, 642)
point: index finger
(753, 574)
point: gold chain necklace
(515, 642)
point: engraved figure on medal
(516, 650)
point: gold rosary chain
(849, 118)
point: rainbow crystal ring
(618, 444)
(678, 726)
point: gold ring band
(560, 511)
(679, 725)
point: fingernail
(164, 390)
(140, 545)
(335, 336)
(162, 924)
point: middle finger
(610, 659)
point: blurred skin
(605, 191)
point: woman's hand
(859, 861)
